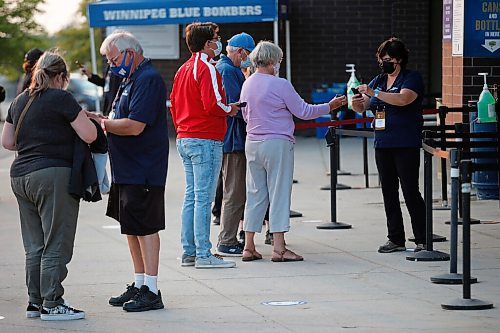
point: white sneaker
(61, 312)
(214, 261)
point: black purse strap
(21, 118)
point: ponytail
(47, 67)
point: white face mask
(218, 50)
(276, 68)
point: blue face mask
(245, 63)
(123, 70)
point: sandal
(281, 257)
(254, 255)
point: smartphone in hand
(355, 91)
(241, 104)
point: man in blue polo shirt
(138, 148)
(234, 161)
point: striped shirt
(198, 100)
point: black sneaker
(125, 297)
(269, 238)
(391, 247)
(241, 237)
(216, 220)
(144, 300)
(230, 250)
(61, 312)
(33, 310)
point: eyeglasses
(113, 60)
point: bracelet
(375, 93)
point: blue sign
(481, 28)
(151, 12)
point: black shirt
(45, 138)
(403, 124)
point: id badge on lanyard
(380, 119)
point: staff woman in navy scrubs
(395, 97)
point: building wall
(327, 34)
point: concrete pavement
(346, 285)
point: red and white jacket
(198, 100)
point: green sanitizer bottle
(352, 83)
(486, 105)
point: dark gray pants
(48, 217)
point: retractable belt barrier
(435, 145)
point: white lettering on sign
(135, 14)
(184, 12)
(232, 11)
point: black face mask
(388, 67)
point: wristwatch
(375, 93)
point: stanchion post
(332, 142)
(428, 199)
(465, 175)
(465, 148)
(444, 176)
(453, 277)
(466, 302)
(365, 156)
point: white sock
(150, 281)
(139, 279)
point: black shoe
(389, 247)
(216, 220)
(241, 237)
(269, 238)
(33, 310)
(125, 297)
(144, 300)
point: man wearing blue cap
(234, 161)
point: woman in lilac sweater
(271, 104)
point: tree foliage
(75, 40)
(18, 33)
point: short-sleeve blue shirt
(142, 159)
(403, 124)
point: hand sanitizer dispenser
(352, 83)
(486, 105)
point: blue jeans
(202, 161)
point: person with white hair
(138, 150)
(271, 104)
(233, 160)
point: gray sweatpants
(269, 182)
(48, 217)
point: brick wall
(460, 80)
(472, 83)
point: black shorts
(140, 209)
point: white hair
(122, 40)
(232, 49)
(266, 53)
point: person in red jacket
(199, 114)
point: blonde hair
(50, 64)
(266, 53)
